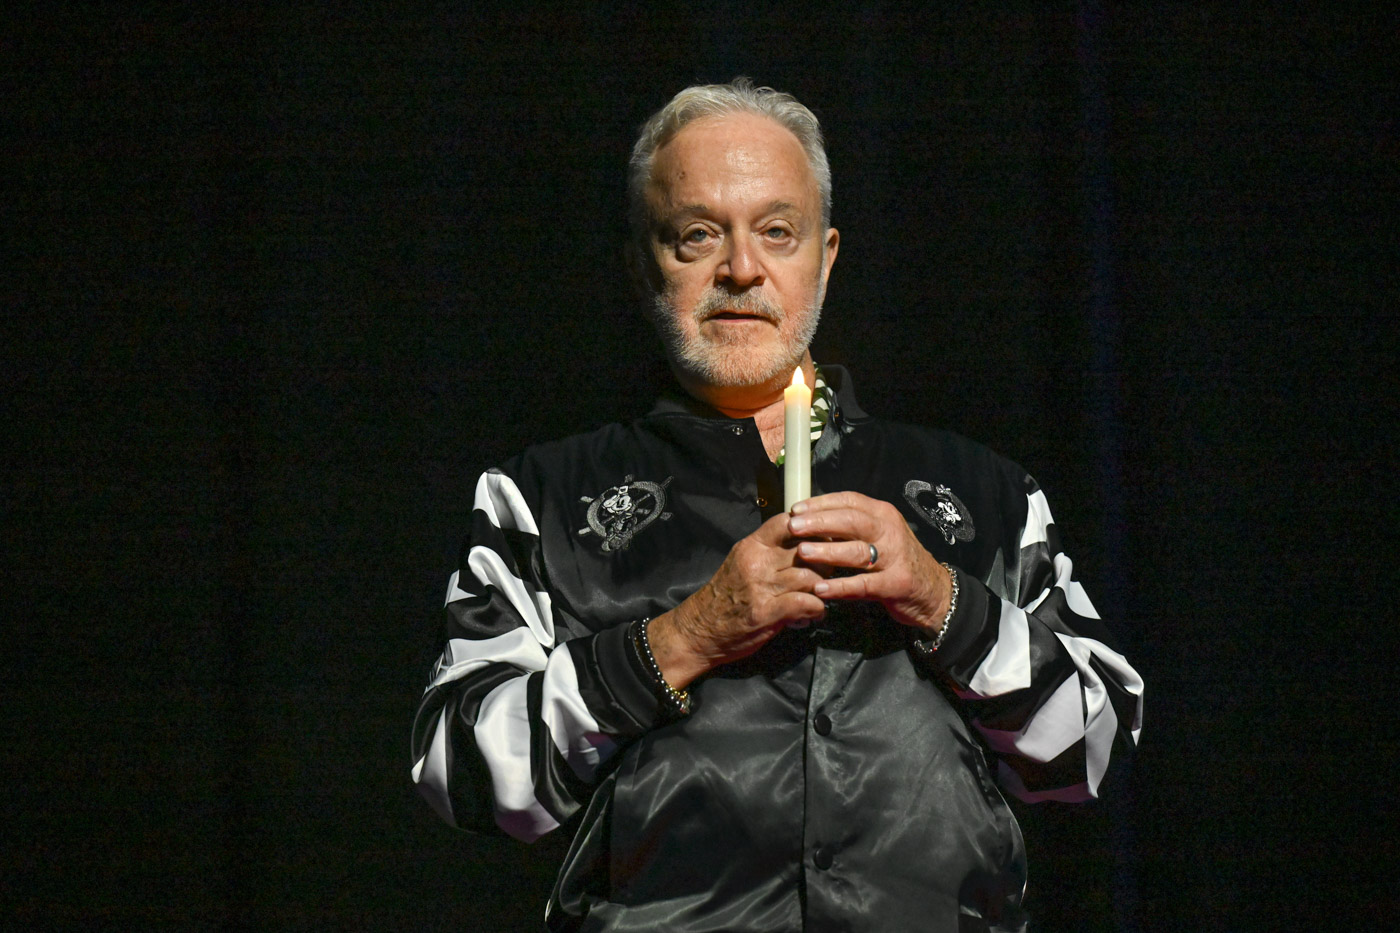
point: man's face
(740, 257)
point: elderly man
(755, 719)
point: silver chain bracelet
(676, 701)
(927, 648)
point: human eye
(778, 235)
(696, 241)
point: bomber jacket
(836, 779)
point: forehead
(732, 157)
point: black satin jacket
(835, 779)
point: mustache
(717, 300)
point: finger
(895, 587)
(859, 586)
(833, 500)
(844, 524)
(797, 580)
(841, 554)
(794, 607)
(773, 532)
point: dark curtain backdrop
(283, 279)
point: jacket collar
(675, 401)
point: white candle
(797, 441)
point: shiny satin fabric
(724, 820)
(828, 782)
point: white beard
(730, 359)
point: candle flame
(797, 379)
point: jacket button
(822, 724)
(738, 429)
(762, 502)
(823, 858)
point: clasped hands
(782, 575)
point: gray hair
(711, 100)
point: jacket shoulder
(550, 454)
(954, 452)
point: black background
(281, 281)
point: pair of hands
(781, 576)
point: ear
(833, 241)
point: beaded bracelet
(927, 648)
(676, 701)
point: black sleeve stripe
(473, 688)
(1053, 666)
(1037, 572)
(1064, 770)
(1054, 613)
(519, 550)
(557, 788)
(613, 683)
(484, 616)
(527, 558)
(468, 777)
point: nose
(742, 266)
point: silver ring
(874, 556)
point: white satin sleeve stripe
(499, 497)
(503, 738)
(1081, 649)
(455, 592)
(1079, 708)
(464, 655)
(1055, 726)
(1007, 666)
(430, 772)
(571, 726)
(533, 607)
(1075, 596)
(1100, 727)
(1038, 518)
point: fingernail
(799, 507)
(797, 524)
(821, 588)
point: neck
(763, 403)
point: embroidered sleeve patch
(942, 509)
(621, 512)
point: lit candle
(797, 441)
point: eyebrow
(773, 207)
